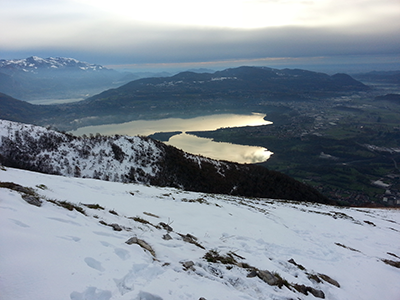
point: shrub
(214, 257)
(68, 205)
(94, 206)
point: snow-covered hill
(130, 241)
(140, 159)
(118, 158)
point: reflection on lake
(221, 151)
(190, 143)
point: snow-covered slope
(108, 158)
(140, 159)
(112, 158)
(49, 252)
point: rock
(316, 293)
(329, 280)
(141, 243)
(202, 298)
(301, 288)
(267, 277)
(191, 239)
(32, 200)
(296, 264)
(132, 240)
(188, 265)
(392, 263)
(305, 289)
(253, 273)
(166, 226)
(116, 227)
(167, 237)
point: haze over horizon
(177, 34)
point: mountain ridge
(35, 64)
(237, 90)
(35, 78)
(141, 159)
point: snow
(49, 252)
(223, 78)
(98, 158)
(32, 63)
(380, 183)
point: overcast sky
(206, 33)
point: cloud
(316, 28)
(180, 45)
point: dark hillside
(140, 159)
(395, 98)
(21, 111)
(189, 94)
(238, 179)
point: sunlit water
(190, 143)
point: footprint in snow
(91, 293)
(122, 253)
(147, 296)
(64, 221)
(70, 238)
(107, 234)
(91, 262)
(8, 208)
(140, 275)
(105, 244)
(125, 284)
(19, 223)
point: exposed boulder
(267, 277)
(141, 243)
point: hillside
(232, 90)
(91, 239)
(140, 159)
(189, 94)
(22, 111)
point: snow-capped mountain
(73, 238)
(37, 79)
(35, 64)
(140, 159)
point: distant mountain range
(141, 160)
(36, 78)
(39, 65)
(237, 90)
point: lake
(191, 143)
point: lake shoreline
(173, 132)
